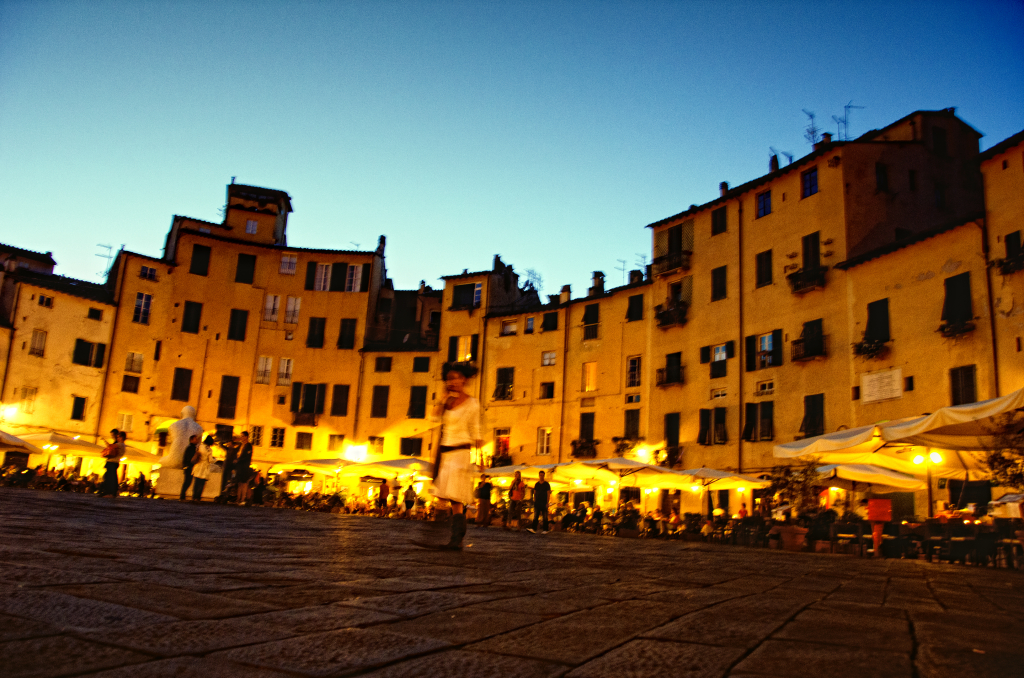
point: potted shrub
(798, 487)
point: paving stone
(640, 658)
(15, 628)
(823, 584)
(319, 618)
(189, 667)
(939, 662)
(60, 656)
(690, 600)
(44, 576)
(754, 583)
(62, 610)
(463, 625)
(417, 602)
(818, 626)
(543, 604)
(580, 636)
(193, 637)
(333, 652)
(807, 660)
(313, 593)
(843, 608)
(464, 664)
(178, 602)
(743, 622)
(203, 583)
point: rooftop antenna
(846, 118)
(840, 127)
(812, 134)
(232, 181)
(789, 156)
(354, 244)
(108, 255)
(641, 261)
(622, 267)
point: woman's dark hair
(465, 369)
(209, 441)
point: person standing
(230, 448)
(541, 496)
(243, 470)
(483, 496)
(516, 494)
(382, 499)
(459, 414)
(410, 500)
(188, 463)
(113, 453)
(201, 467)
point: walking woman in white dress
(459, 414)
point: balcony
(262, 376)
(802, 281)
(955, 329)
(870, 349)
(503, 391)
(584, 449)
(500, 460)
(672, 313)
(590, 332)
(1011, 264)
(304, 419)
(667, 376)
(671, 262)
(809, 348)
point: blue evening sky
(548, 132)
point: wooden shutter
(705, 354)
(245, 271)
(591, 314)
(704, 434)
(200, 264)
(749, 420)
(296, 396)
(310, 275)
(766, 422)
(730, 349)
(321, 397)
(98, 354)
(750, 349)
(453, 349)
(776, 348)
(339, 401)
(82, 354)
(811, 251)
(878, 321)
(957, 307)
(474, 343)
(364, 280)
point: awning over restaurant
(866, 477)
(976, 426)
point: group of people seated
(69, 480)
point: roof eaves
(901, 244)
(1003, 145)
(472, 274)
(46, 257)
(279, 248)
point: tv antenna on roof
(354, 244)
(109, 256)
(622, 267)
(812, 133)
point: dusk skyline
(549, 134)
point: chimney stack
(598, 284)
(773, 163)
(565, 295)
(636, 277)
(723, 188)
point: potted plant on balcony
(798, 487)
(870, 348)
(584, 448)
(623, 446)
(955, 328)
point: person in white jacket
(201, 467)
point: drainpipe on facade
(122, 273)
(983, 225)
(359, 392)
(741, 367)
(565, 366)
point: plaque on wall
(881, 386)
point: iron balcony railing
(805, 280)
(671, 262)
(665, 376)
(671, 314)
(809, 348)
(590, 332)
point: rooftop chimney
(826, 138)
(598, 284)
(565, 295)
(773, 163)
(636, 277)
(723, 188)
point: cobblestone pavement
(134, 588)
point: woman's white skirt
(455, 480)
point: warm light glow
(610, 490)
(655, 489)
(904, 522)
(308, 487)
(694, 488)
(124, 458)
(10, 411)
(612, 483)
(418, 487)
(935, 457)
(77, 437)
(643, 454)
(355, 453)
(919, 459)
(967, 522)
(578, 481)
(741, 490)
(833, 489)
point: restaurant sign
(881, 386)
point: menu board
(881, 386)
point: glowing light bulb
(919, 459)
(741, 490)
(578, 481)
(610, 490)
(694, 488)
(935, 457)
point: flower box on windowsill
(955, 329)
(584, 449)
(871, 349)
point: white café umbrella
(971, 427)
(13, 442)
(390, 467)
(865, 477)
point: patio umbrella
(390, 467)
(865, 477)
(59, 443)
(971, 427)
(12, 442)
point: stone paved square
(95, 586)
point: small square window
(717, 393)
(303, 440)
(764, 204)
(288, 263)
(547, 390)
(334, 442)
(95, 314)
(45, 301)
(147, 273)
(421, 364)
(547, 358)
(250, 226)
(908, 384)
(856, 393)
(765, 387)
(277, 435)
(508, 327)
(529, 326)
(256, 436)
(382, 364)
(632, 398)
